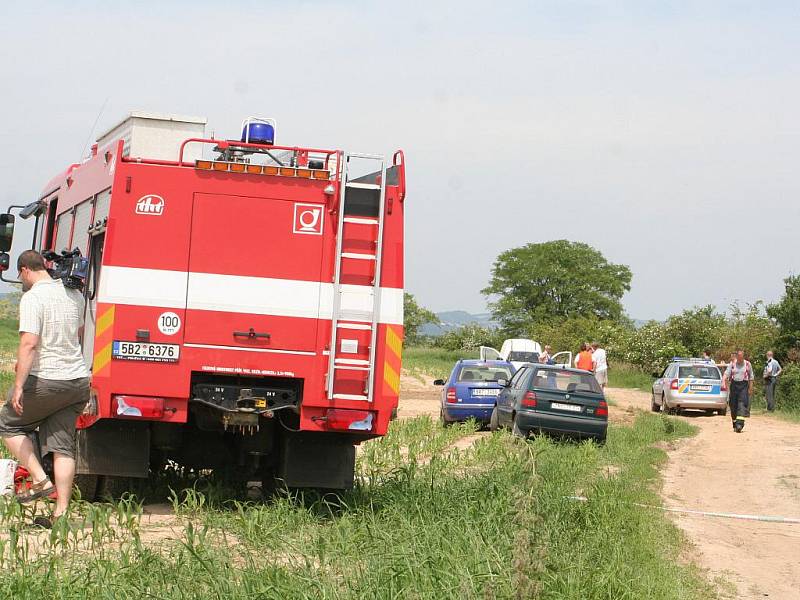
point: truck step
(361, 221)
(355, 362)
(358, 256)
(363, 186)
(349, 397)
(359, 326)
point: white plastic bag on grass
(7, 469)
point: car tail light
(529, 400)
(602, 409)
(451, 395)
(139, 407)
(674, 384)
(343, 419)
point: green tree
(751, 330)
(470, 337)
(786, 313)
(555, 280)
(414, 317)
(696, 330)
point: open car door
(562, 358)
(489, 353)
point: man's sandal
(37, 490)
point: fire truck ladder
(354, 308)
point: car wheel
(653, 404)
(723, 412)
(515, 429)
(494, 421)
(444, 422)
(664, 406)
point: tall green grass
(434, 362)
(622, 375)
(424, 521)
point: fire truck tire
(87, 486)
(112, 487)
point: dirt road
(756, 472)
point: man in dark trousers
(739, 379)
(771, 371)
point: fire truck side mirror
(4, 261)
(6, 232)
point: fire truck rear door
(254, 273)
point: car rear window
(484, 373)
(698, 372)
(566, 381)
(517, 356)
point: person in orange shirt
(584, 358)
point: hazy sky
(667, 135)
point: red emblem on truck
(150, 205)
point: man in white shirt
(771, 371)
(600, 365)
(51, 385)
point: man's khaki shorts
(602, 377)
(51, 406)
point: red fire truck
(244, 300)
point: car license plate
(700, 388)
(485, 392)
(569, 407)
(145, 352)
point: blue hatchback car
(472, 389)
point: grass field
(433, 362)
(627, 376)
(425, 521)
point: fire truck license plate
(146, 352)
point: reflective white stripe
(142, 287)
(267, 350)
(254, 295)
(249, 295)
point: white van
(519, 351)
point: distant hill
(453, 319)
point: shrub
(788, 391)
(469, 338)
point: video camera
(69, 266)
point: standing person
(584, 358)
(546, 357)
(771, 371)
(600, 364)
(51, 385)
(707, 357)
(739, 378)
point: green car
(552, 399)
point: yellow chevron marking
(391, 378)
(105, 321)
(102, 358)
(394, 342)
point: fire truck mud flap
(120, 448)
(313, 460)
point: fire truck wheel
(271, 486)
(87, 486)
(111, 487)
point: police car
(689, 383)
